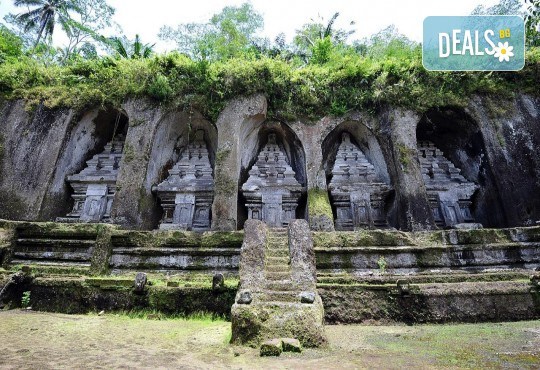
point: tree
(312, 33)
(10, 44)
(46, 15)
(532, 22)
(227, 34)
(388, 42)
(504, 7)
(92, 17)
(131, 50)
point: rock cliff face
(494, 144)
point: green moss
(223, 183)
(129, 153)
(319, 204)
(406, 155)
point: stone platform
(277, 296)
(437, 276)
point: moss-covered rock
(320, 213)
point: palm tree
(45, 15)
(135, 51)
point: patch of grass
(462, 345)
(147, 314)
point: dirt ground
(55, 341)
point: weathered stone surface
(291, 345)
(307, 297)
(252, 255)
(244, 297)
(468, 226)
(509, 130)
(358, 194)
(186, 195)
(94, 187)
(271, 191)
(140, 282)
(276, 309)
(272, 347)
(304, 274)
(449, 193)
(218, 282)
(240, 117)
(399, 140)
(30, 145)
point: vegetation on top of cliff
(319, 73)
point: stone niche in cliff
(272, 192)
(357, 192)
(94, 187)
(187, 194)
(449, 193)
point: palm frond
(328, 30)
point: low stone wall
(174, 250)
(368, 252)
(432, 303)
(345, 304)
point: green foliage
(321, 51)
(381, 262)
(503, 7)
(341, 80)
(25, 301)
(228, 34)
(127, 49)
(532, 22)
(307, 37)
(10, 44)
(45, 15)
(159, 88)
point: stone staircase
(52, 244)
(277, 296)
(278, 286)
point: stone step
(277, 275)
(277, 268)
(56, 243)
(280, 296)
(280, 285)
(49, 263)
(277, 253)
(277, 260)
(53, 255)
(279, 247)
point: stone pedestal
(95, 186)
(271, 191)
(186, 195)
(358, 195)
(449, 193)
(277, 296)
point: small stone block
(140, 282)
(404, 287)
(245, 298)
(272, 347)
(218, 282)
(291, 345)
(307, 297)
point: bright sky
(146, 17)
